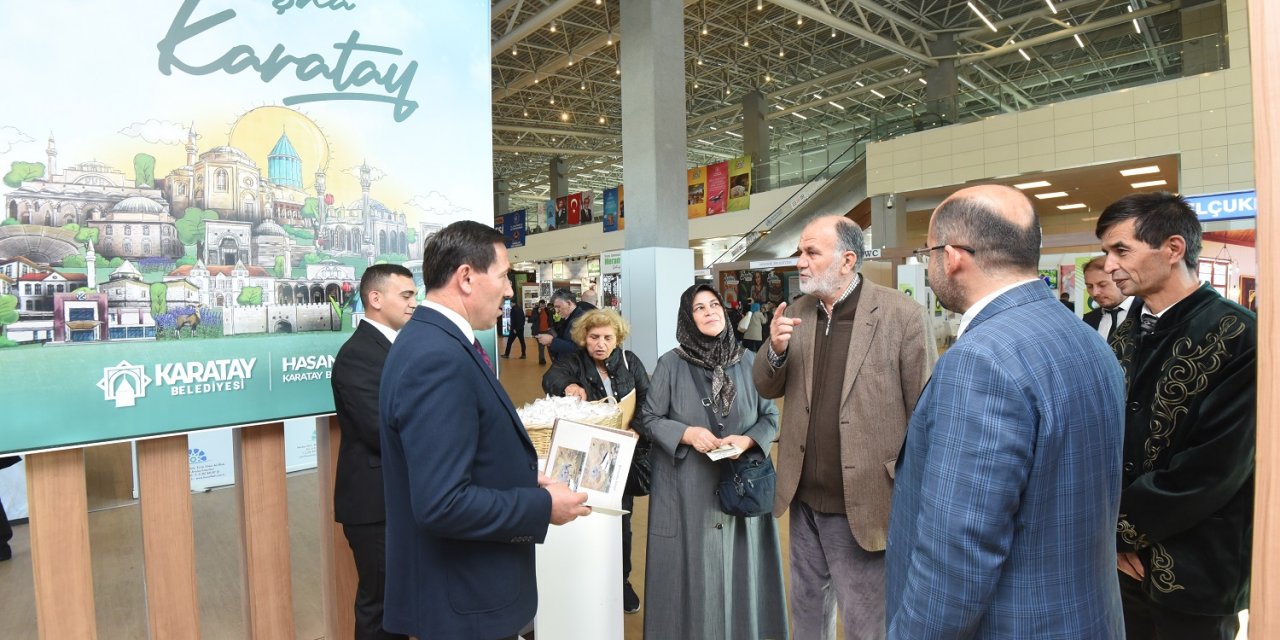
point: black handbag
(747, 484)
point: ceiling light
(1024, 54)
(695, 84)
(836, 105)
(859, 83)
(704, 28)
(1135, 21)
(923, 81)
(703, 141)
(833, 32)
(736, 135)
(553, 26)
(514, 51)
(526, 113)
(1052, 194)
(767, 77)
(799, 115)
(564, 116)
(799, 19)
(553, 99)
(617, 71)
(817, 96)
(1048, 2)
(610, 40)
(984, 18)
(881, 95)
(699, 60)
(1140, 171)
(1078, 205)
(1078, 40)
(782, 53)
(759, 5)
(1032, 185)
(745, 42)
(1149, 183)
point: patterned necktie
(483, 356)
(1149, 323)
(1115, 320)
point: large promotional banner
(192, 195)
(588, 207)
(717, 188)
(513, 228)
(550, 215)
(611, 209)
(740, 184)
(562, 211)
(697, 192)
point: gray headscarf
(714, 353)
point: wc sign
(1234, 205)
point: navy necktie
(1115, 320)
(483, 356)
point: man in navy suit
(389, 298)
(1008, 486)
(465, 501)
(1113, 305)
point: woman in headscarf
(708, 574)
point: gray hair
(849, 237)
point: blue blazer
(463, 503)
(1008, 486)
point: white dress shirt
(386, 331)
(455, 318)
(1104, 324)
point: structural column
(755, 140)
(940, 95)
(559, 178)
(501, 197)
(657, 263)
(888, 223)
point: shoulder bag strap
(714, 422)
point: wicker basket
(540, 434)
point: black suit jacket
(357, 371)
(1093, 318)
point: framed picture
(592, 459)
(1249, 293)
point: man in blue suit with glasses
(1008, 486)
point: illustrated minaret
(365, 182)
(191, 145)
(52, 151)
(91, 263)
(320, 185)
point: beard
(825, 284)
(950, 295)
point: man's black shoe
(630, 601)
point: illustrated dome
(229, 152)
(138, 204)
(269, 228)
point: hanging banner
(562, 212)
(186, 254)
(513, 228)
(574, 205)
(697, 192)
(612, 202)
(549, 214)
(588, 207)
(740, 184)
(717, 188)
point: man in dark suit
(1009, 481)
(389, 298)
(1113, 305)
(465, 502)
(1184, 535)
(517, 329)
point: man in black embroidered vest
(1186, 511)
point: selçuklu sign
(1233, 205)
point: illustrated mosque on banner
(212, 248)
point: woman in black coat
(598, 369)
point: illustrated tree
(144, 170)
(191, 224)
(159, 299)
(279, 269)
(311, 207)
(74, 261)
(20, 172)
(250, 296)
(8, 310)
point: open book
(592, 459)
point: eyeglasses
(923, 252)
